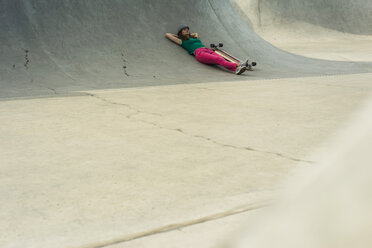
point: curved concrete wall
(49, 46)
(341, 15)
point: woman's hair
(184, 37)
(179, 34)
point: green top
(192, 44)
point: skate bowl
(61, 47)
(331, 30)
(111, 133)
(343, 16)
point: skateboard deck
(217, 49)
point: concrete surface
(340, 50)
(111, 133)
(67, 46)
(316, 29)
(329, 206)
(340, 15)
(111, 165)
(214, 233)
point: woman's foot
(240, 69)
(246, 63)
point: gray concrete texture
(341, 15)
(333, 206)
(59, 47)
(317, 31)
(110, 132)
(115, 165)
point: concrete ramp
(332, 30)
(341, 15)
(60, 47)
(111, 133)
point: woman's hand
(194, 35)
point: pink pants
(207, 56)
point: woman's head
(184, 32)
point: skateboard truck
(227, 56)
(217, 45)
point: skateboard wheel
(254, 63)
(213, 45)
(220, 44)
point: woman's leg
(207, 56)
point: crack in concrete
(179, 226)
(27, 60)
(124, 64)
(191, 135)
(129, 116)
(227, 145)
(53, 90)
(252, 149)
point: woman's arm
(194, 35)
(174, 38)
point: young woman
(204, 55)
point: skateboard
(217, 49)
